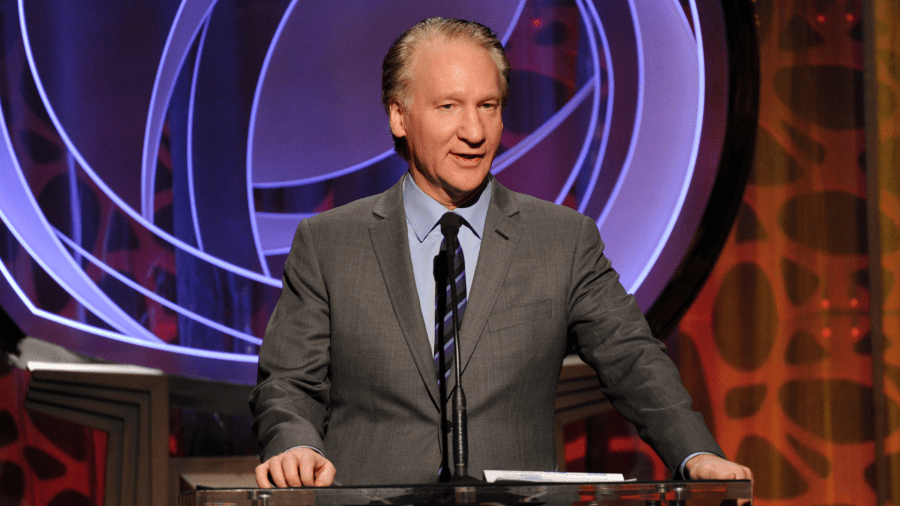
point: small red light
(173, 445)
(826, 304)
(820, 18)
(536, 22)
(826, 332)
(854, 332)
(854, 302)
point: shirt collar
(423, 212)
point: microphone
(450, 223)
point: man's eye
(447, 107)
(489, 105)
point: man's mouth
(469, 157)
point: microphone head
(450, 223)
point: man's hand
(297, 467)
(711, 467)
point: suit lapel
(498, 246)
(391, 245)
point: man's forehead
(440, 47)
(441, 51)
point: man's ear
(397, 119)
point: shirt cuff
(681, 474)
(313, 448)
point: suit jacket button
(447, 425)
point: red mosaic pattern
(45, 460)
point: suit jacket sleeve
(635, 373)
(289, 403)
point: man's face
(452, 120)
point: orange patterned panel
(782, 325)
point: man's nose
(471, 129)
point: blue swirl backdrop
(157, 156)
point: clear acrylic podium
(657, 493)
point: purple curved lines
(648, 195)
(190, 19)
(113, 195)
(23, 217)
(43, 245)
(521, 148)
(695, 145)
(195, 220)
(598, 25)
(156, 297)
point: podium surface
(657, 493)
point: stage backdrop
(157, 156)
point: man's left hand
(711, 467)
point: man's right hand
(297, 467)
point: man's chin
(468, 194)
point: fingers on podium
(298, 467)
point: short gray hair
(395, 76)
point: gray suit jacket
(346, 366)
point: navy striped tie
(443, 330)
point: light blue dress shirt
(424, 235)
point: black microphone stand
(450, 228)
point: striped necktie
(443, 330)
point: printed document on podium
(552, 477)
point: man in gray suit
(347, 382)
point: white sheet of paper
(552, 477)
